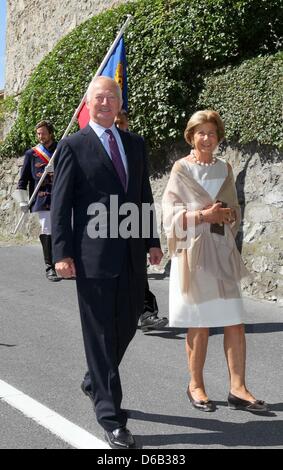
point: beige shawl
(197, 247)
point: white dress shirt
(103, 137)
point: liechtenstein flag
(115, 68)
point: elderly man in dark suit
(100, 175)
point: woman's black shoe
(236, 403)
(202, 405)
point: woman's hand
(216, 214)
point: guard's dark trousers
(47, 254)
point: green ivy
(7, 106)
(249, 99)
(171, 47)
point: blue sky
(2, 40)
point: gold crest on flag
(119, 75)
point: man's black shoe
(120, 438)
(88, 392)
(152, 322)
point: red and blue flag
(116, 68)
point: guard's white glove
(20, 195)
(24, 207)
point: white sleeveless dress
(217, 311)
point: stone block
(274, 198)
(254, 232)
(258, 213)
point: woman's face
(205, 138)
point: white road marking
(49, 419)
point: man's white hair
(96, 80)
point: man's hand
(155, 255)
(66, 268)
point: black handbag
(217, 228)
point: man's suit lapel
(96, 148)
(126, 141)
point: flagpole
(75, 115)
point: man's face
(104, 104)
(43, 136)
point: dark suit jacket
(84, 174)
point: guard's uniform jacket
(34, 164)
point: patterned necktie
(116, 158)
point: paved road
(41, 355)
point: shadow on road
(250, 434)
(167, 333)
(254, 328)
(174, 333)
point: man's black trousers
(109, 310)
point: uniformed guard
(35, 161)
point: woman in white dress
(201, 219)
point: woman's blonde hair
(201, 117)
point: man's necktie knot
(109, 132)
(116, 158)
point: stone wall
(9, 210)
(35, 26)
(259, 180)
(1, 124)
(260, 189)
